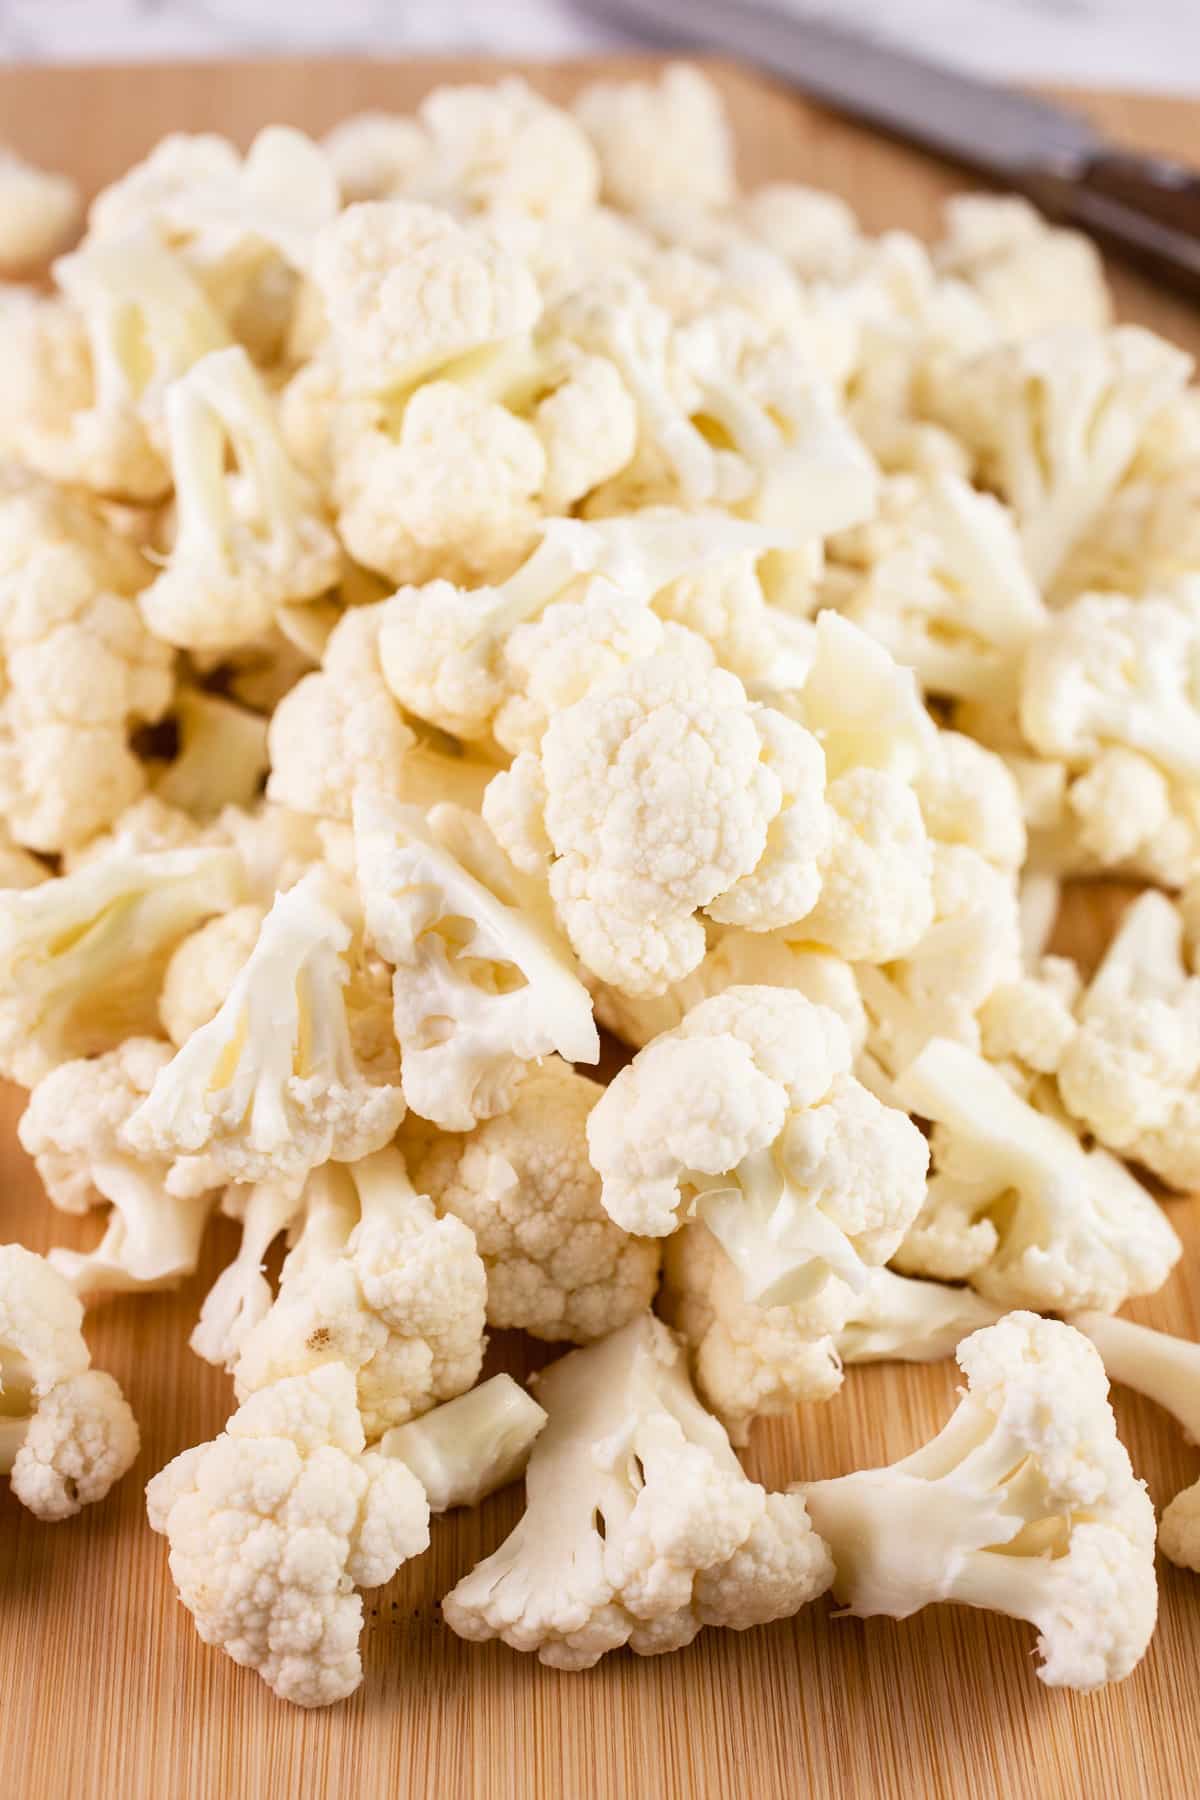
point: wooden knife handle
(1146, 206)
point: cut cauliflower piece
(1024, 1503)
(969, 797)
(1017, 1206)
(640, 1526)
(557, 1266)
(82, 956)
(221, 759)
(1167, 1370)
(660, 141)
(471, 1446)
(73, 1127)
(66, 1431)
(374, 155)
(246, 543)
(876, 897)
(747, 1117)
(275, 1523)
(896, 1319)
(1031, 276)
(241, 1296)
(80, 670)
(39, 211)
(203, 969)
(377, 1282)
(503, 148)
(483, 984)
(1131, 1072)
(273, 1085)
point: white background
(1120, 43)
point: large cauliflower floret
(1031, 276)
(82, 956)
(274, 1524)
(640, 1526)
(80, 670)
(661, 792)
(483, 984)
(273, 1085)
(1024, 1503)
(66, 1431)
(38, 212)
(377, 1282)
(660, 142)
(1131, 1072)
(73, 1127)
(746, 1117)
(1017, 1206)
(557, 1266)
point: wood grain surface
(106, 1691)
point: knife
(1146, 206)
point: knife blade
(1147, 206)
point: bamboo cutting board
(106, 1691)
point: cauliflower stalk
(471, 1446)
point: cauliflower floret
(80, 671)
(274, 1524)
(241, 1295)
(66, 1431)
(815, 232)
(1017, 1206)
(1024, 1503)
(221, 759)
(1031, 276)
(73, 1127)
(503, 148)
(746, 1117)
(247, 542)
(969, 797)
(483, 984)
(895, 1319)
(876, 899)
(82, 956)
(660, 142)
(38, 212)
(640, 1526)
(557, 1266)
(273, 1086)
(374, 155)
(471, 1446)
(376, 1281)
(203, 969)
(1029, 1019)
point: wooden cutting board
(106, 1691)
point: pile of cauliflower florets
(483, 579)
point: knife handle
(1147, 206)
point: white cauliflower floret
(82, 956)
(274, 1524)
(640, 1526)
(471, 1446)
(203, 969)
(814, 231)
(660, 142)
(1167, 1370)
(241, 1296)
(557, 1266)
(503, 148)
(245, 542)
(273, 1086)
(377, 1282)
(746, 1117)
(1131, 1072)
(73, 1127)
(66, 1431)
(1031, 276)
(1024, 1503)
(895, 1319)
(38, 212)
(1017, 1206)
(374, 155)
(80, 670)
(483, 985)
(969, 797)
(1029, 1019)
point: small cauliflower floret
(82, 956)
(815, 232)
(1031, 276)
(1017, 1206)
(1126, 814)
(247, 542)
(1146, 540)
(1024, 1503)
(273, 1085)
(660, 142)
(876, 897)
(38, 212)
(503, 148)
(241, 1296)
(896, 1319)
(221, 759)
(943, 584)
(1055, 421)
(66, 1431)
(483, 984)
(969, 797)
(377, 1282)
(204, 968)
(746, 1117)
(1167, 1370)
(1131, 1073)
(374, 155)
(640, 1526)
(471, 1446)
(748, 1361)
(274, 1524)
(728, 607)
(73, 1127)
(408, 290)
(1029, 1019)
(661, 792)
(557, 1266)
(80, 670)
